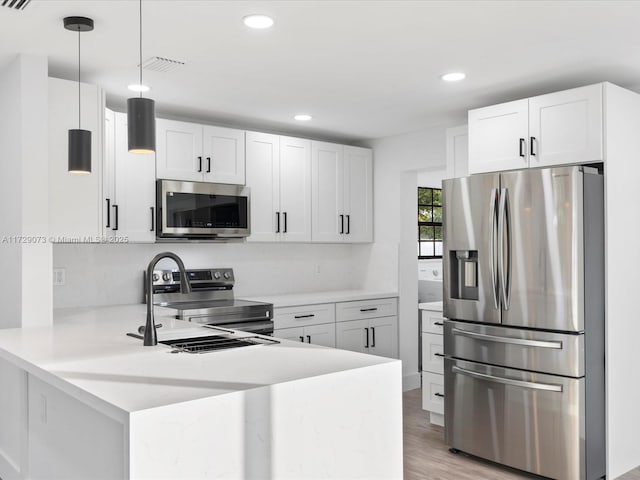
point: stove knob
(227, 275)
(216, 275)
(166, 277)
(156, 277)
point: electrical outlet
(59, 276)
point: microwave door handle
(492, 246)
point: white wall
(392, 259)
(25, 288)
(112, 274)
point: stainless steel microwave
(202, 210)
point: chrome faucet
(150, 336)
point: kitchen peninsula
(87, 401)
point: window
(429, 222)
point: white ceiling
(363, 69)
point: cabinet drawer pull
(310, 315)
(439, 354)
(152, 219)
(108, 213)
(441, 395)
(199, 164)
(308, 338)
(439, 324)
(531, 151)
(373, 309)
(208, 164)
(523, 145)
(366, 331)
(301, 338)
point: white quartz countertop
(433, 306)
(295, 299)
(87, 354)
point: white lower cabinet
(324, 334)
(433, 364)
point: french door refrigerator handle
(502, 221)
(492, 246)
(507, 280)
(508, 381)
(514, 341)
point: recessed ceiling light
(303, 117)
(258, 21)
(138, 88)
(453, 77)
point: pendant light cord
(79, 124)
(141, 48)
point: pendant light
(79, 140)
(141, 116)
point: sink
(212, 343)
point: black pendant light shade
(141, 125)
(79, 155)
(79, 151)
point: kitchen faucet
(150, 335)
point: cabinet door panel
(432, 322)
(223, 151)
(566, 127)
(321, 334)
(327, 184)
(75, 200)
(295, 334)
(109, 171)
(384, 336)
(432, 353)
(134, 188)
(358, 194)
(295, 188)
(263, 178)
(495, 135)
(433, 392)
(179, 144)
(352, 335)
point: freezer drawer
(530, 421)
(538, 351)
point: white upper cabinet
(133, 204)
(75, 200)
(203, 153)
(498, 137)
(342, 193)
(279, 176)
(555, 129)
(566, 127)
(457, 151)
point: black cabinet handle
(341, 224)
(277, 222)
(308, 338)
(441, 395)
(531, 151)
(440, 324)
(108, 213)
(301, 338)
(208, 164)
(285, 222)
(439, 354)
(369, 309)
(199, 164)
(523, 145)
(115, 213)
(311, 315)
(367, 333)
(153, 227)
(348, 224)
(373, 337)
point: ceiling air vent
(15, 4)
(161, 64)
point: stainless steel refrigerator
(524, 335)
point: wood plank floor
(426, 457)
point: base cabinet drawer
(303, 315)
(432, 322)
(433, 392)
(432, 353)
(362, 309)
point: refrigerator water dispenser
(464, 274)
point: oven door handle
(514, 341)
(508, 381)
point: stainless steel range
(211, 300)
